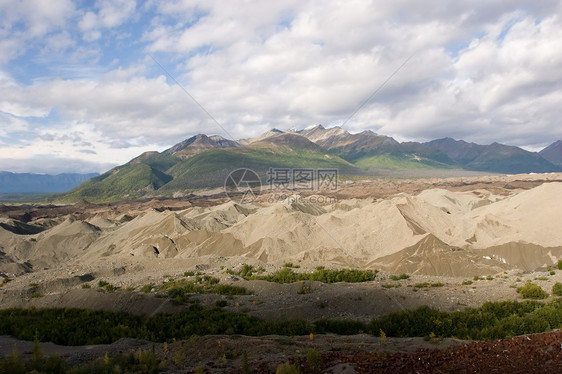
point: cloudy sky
(81, 88)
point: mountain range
(40, 183)
(205, 161)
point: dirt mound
(437, 232)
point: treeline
(80, 327)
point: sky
(88, 85)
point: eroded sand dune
(436, 232)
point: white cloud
(480, 70)
(108, 14)
(26, 21)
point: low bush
(557, 289)
(399, 277)
(532, 291)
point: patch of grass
(314, 360)
(321, 274)
(399, 277)
(532, 291)
(286, 368)
(181, 289)
(107, 286)
(541, 278)
(86, 285)
(428, 285)
(466, 283)
(147, 288)
(390, 285)
(36, 295)
(559, 265)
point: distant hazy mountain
(495, 157)
(205, 161)
(553, 153)
(40, 183)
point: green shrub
(399, 277)
(286, 368)
(532, 291)
(559, 265)
(86, 285)
(147, 288)
(314, 360)
(467, 283)
(557, 289)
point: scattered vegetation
(399, 277)
(181, 289)
(138, 362)
(86, 285)
(291, 265)
(107, 286)
(532, 291)
(428, 285)
(559, 266)
(467, 282)
(321, 274)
